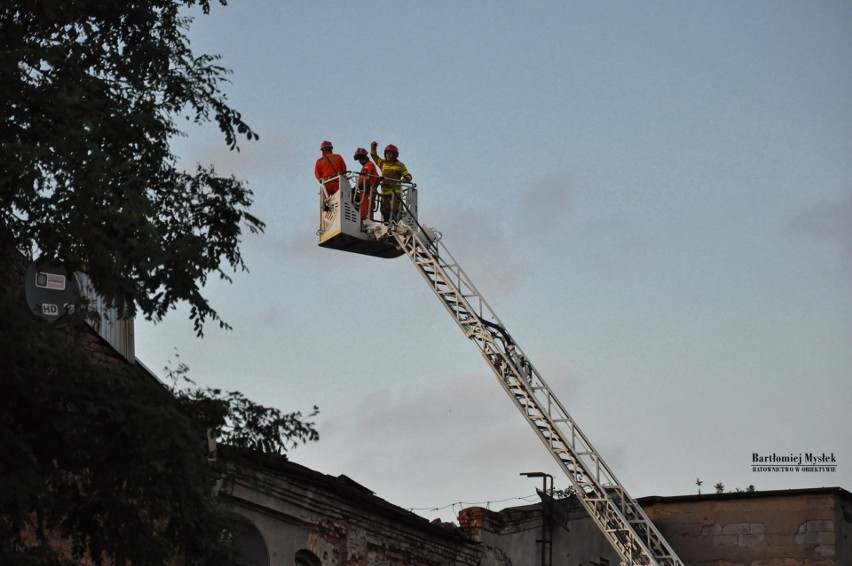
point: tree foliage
(90, 92)
(98, 454)
(238, 422)
(103, 457)
(720, 487)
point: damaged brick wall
(341, 523)
(761, 530)
(779, 528)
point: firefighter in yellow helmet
(393, 171)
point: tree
(89, 95)
(105, 458)
(238, 422)
(95, 453)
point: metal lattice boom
(618, 516)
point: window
(307, 558)
(251, 545)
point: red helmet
(326, 145)
(392, 148)
(360, 152)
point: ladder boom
(621, 519)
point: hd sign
(50, 291)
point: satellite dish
(50, 291)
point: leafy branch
(239, 422)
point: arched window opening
(307, 558)
(251, 546)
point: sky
(654, 197)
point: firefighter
(393, 171)
(329, 167)
(368, 180)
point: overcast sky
(654, 197)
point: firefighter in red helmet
(329, 167)
(393, 171)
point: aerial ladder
(618, 516)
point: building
(806, 527)
(797, 526)
(308, 518)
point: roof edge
(655, 499)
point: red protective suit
(368, 180)
(329, 165)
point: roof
(353, 492)
(657, 499)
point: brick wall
(807, 527)
(760, 529)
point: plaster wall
(293, 517)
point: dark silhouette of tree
(100, 454)
(238, 422)
(90, 92)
